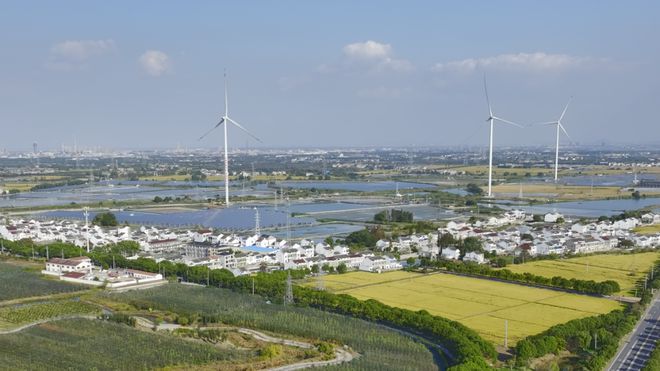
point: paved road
(636, 351)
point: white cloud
(377, 56)
(155, 62)
(529, 61)
(78, 50)
(368, 50)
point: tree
(410, 261)
(527, 237)
(106, 219)
(625, 243)
(342, 268)
(445, 241)
(560, 220)
(537, 218)
(636, 195)
(362, 237)
(329, 241)
(197, 175)
(474, 189)
(315, 268)
(471, 244)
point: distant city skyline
(338, 74)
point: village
(513, 234)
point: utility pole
(506, 333)
(288, 296)
(596, 341)
(208, 276)
(47, 255)
(252, 285)
(86, 213)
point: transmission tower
(320, 284)
(288, 220)
(257, 222)
(288, 296)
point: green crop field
(380, 348)
(82, 344)
(12, 316)
(480, 304)
(626, 269)
(28, 283)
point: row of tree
(393, 216)
(608, 287)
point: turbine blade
(565, 108)
(565, 132)
(490, 110)
(213, 128)
(544, 123)
(244, 129)
(508, 122)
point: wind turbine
(491, 119)
(225, 120)
(559, 126)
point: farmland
(99, 345)
(648, 229)
(626, 269)
(379, 348)
(480, 304)
(28, 283)
(562, 192)
(11, 316)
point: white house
(59, 266)
(450, 254)
(552, 217)
(379, 264)
(474, 257)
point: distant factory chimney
(35, 148)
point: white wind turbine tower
(225, 120)
(559, 126)
(491, 119)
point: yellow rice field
(625, 269)
(648, 229)
(480, 304)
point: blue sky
(128, 74)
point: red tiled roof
(74, 275)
